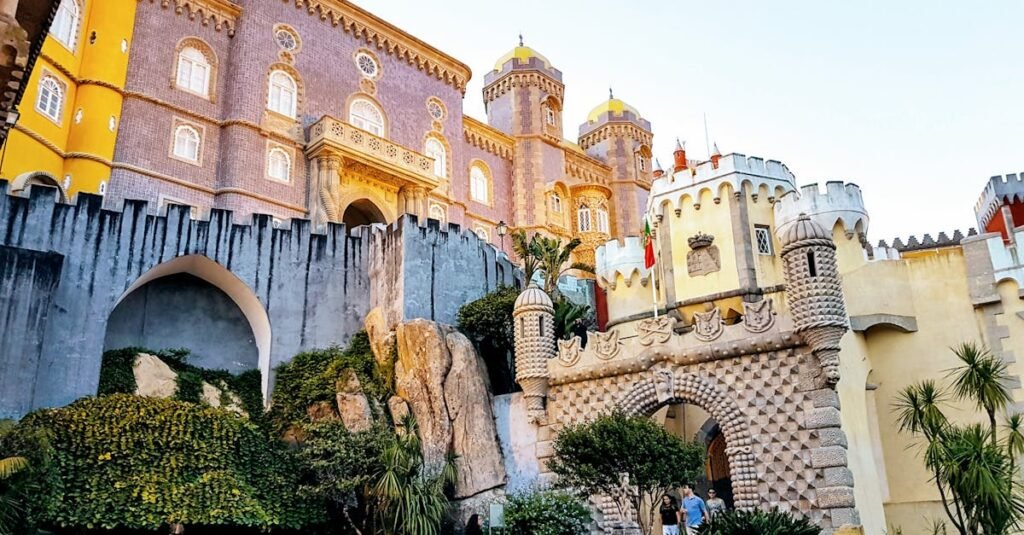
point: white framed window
(65, 23)
(283, 93)
(367, 65)
(366, 115)
(103, 188)
(186, 143)
(763, 239)
(279, 164)
(435, 109)
(478, 187)
(602, 220)
(549, 116)
(583, 219)
(50, 101)
(193, 72)
(435, 149)
(642, 163)
(556, 203)
(483, 234)
(438, 212)
(286, 39)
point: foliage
(117, 377)
(410, 498)
(488, 323)
(591, 457)
(312, 377)
(18, 487)
(546, 512)
(758, 522)
(973, 471)
(572, 319)
(122, 461)
(548, 256)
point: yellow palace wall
(93, 76)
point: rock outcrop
(155, 379)
(442, 381)
(353, 407)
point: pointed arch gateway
(663, 387)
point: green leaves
(547, 255)
(546, 512)
(758, 522)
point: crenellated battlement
(839, 203)
(735, 172)
(1000, 189)
(621, 260)
(913, 243)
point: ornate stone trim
(487, 138)
(523, 79)
(222, 13)
(607, 131)
(585, 168)
(606, 345)
(708, 326)
(569, 351)
(758, 317)
(655, 330)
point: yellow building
(70, 111)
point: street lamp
(502, 231)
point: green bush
(128, 462)
(487, 322)
(546, 512)
(758, 522)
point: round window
(286, 40)
(367, 65)
(435, 109)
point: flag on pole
(648, 245)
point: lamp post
(502, 231)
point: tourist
(715, 504)
(670, 516)
(473, 527)
(696, 513)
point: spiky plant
(772, 522)
(982, 378)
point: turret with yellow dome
(523, 93)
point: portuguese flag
(648, 245)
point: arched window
(583, 219)
(642, 163)
(50, 101)
(478, 184)
(437, 212)
(435, 149)
(556, 203)
(367, 116)
(65, 23)
(193, 71)
(186, 143)
(549, 116)
(283, 93)
(602, 220)
(483, 234)
(279, 164)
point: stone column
(421, 205)
(327, 190)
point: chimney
(715, 156)
(679, 155)
(658, 171)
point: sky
(917, 102)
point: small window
(186, 143)
(642, 163)
(65, 23)
(556, 203)
(812, 269)
(602, 221)
(483, 234)
(583, 219)
(435, 109)
(193, 71)
(103, 188)
(367, 116)
(549, 116)
(283, 94)
(435, 149)
(478, 185)
(763, 237)
(286, 39)
(50, 101)
(279, 164)
(367, 65)
(437, 212)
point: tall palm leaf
(12, 465)
(526, 249)
(1014, 441)
(982, 378)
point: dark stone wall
(184, 311)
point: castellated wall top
(999, 189)
(736, 170)
(621, 260)
(840, 202)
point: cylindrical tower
(814, 292)
(534, 317)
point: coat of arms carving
(708, 326)
(654, 330)
(606, 345)
(703, 257)
(758, 317)
(569, 351)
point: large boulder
(420, 372)
(353, 406)
(382, 339)
(153, 377)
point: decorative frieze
(221, 13)
(486, 137)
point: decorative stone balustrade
(333, 135)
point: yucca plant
(758, 522)
(547, 255)
(981, 378)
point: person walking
(671, 517)
(473, 527)
(715, 504)
(694, 510)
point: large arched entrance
(195, 303)
(362, 212)
(692, 423)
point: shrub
(546, 512)
(758, 522)
(488, 323)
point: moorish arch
(663, 387)
(362, 212)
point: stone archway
(663, 387)
(21, 184)
(362, 212)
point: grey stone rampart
(913, 243)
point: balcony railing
(360, 145)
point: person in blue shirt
(695, 512)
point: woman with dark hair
(473, 527)
(670, 516)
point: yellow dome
(613, 106)
(523, 54)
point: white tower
(534, 317)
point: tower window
(65, 23)
(193, 72)
(642, 163)
(549, 116)
(283, 93)
(812, 269)
(479, 188)
(186, 143)
(540, 325)
(602, 220)
(763, 240)
(279, 164)
(435, 149)
(437, 212)
(583, 219)
(367, 116)
(556, 203)
(50, 101)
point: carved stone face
(707, 325)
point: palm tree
(553, 256)
(10, 499)
(1014, 440)
(981, 378)
(527, 250)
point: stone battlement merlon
(839, 202)
(771, 173)
(621, 258)
(913, 243)
(1008, 188)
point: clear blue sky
(918, 102)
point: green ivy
(122, 461)
(772, 522)
(487, 322)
